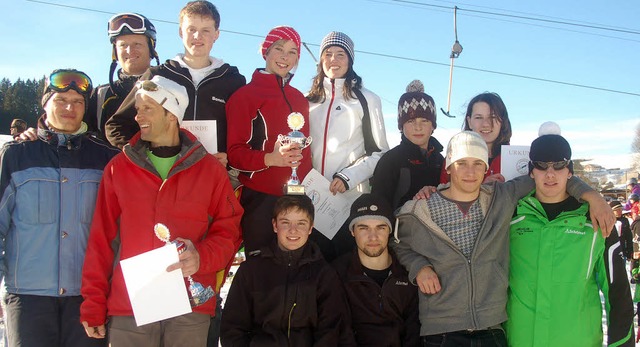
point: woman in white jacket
(347, 126)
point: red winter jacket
(195, 202)
(256, 114)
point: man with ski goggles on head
(48, 189)
(133, 38)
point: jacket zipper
(326, 125)
(195, 102)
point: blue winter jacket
(48, 191)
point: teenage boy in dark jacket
(416, 162)
(209, 81)
(384, 304)
(286, 294)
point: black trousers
(476, 338)
(37, 321)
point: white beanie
(467, 144)
(169, 94)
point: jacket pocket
(39, 200)
(87, 194)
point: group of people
(475, 260)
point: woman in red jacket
(256, 114)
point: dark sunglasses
(557, 165)
(63, 80)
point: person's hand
(98, 332)
(600, 212)
(28, 135)
(337, 186)
(428, 281)
(494, 178)
(222, 158)
(189, 259)
(424, 193)
(284, 156)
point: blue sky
(39, 37)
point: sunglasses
(63, 80)
(147, 85)
(557, 165)
(132, 21)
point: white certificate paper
(514, 161)
(155, 294)
(331, 210)
(206, 132)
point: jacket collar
(191, 152)
(71, 141)
(269, 80)
(356, 269)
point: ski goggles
(63, 80)
(557, 165)
(134, 22)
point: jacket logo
(522, 231)
(577, 232)
(338, 108)
(213, 98)
(402, 283)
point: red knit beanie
(280, 33)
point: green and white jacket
(557, 270)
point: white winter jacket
(338, 141)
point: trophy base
(293, 189)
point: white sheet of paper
(331, 210)
(206, 132)
(514, 161)
(155, 294)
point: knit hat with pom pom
(416, 104)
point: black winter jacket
(207, 101)
(292, 299)
(404, 169)
(381, 316)
(97, 115)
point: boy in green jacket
(558, 265)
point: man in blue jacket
(48, 190)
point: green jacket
(557, 269)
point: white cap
(169, 94)
(467, 144)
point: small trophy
(295, 121)
(198, 294)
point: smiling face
(467, 175)
(372, 237)
(551, 184)
(157, 126)
(133, 53)
(335, 62)
(198, 34)
(281, 57)
(65, 111)
(418, 131)
(293, 227)
(485, 123)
